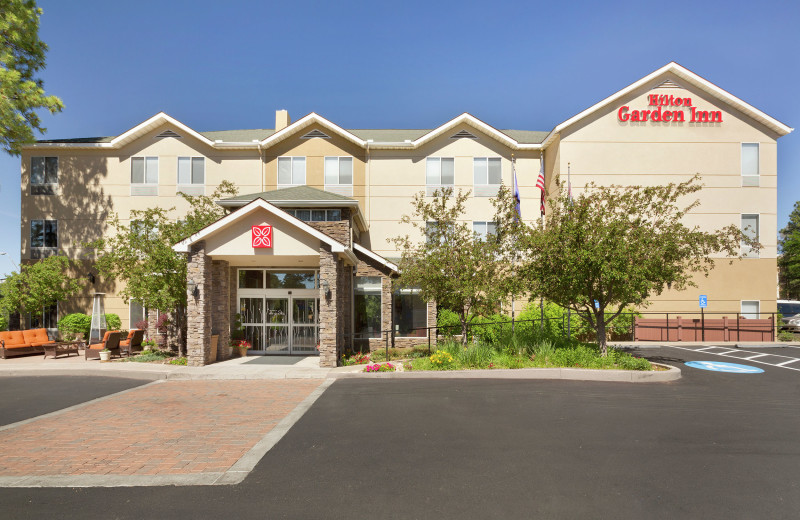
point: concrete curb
(573, 374)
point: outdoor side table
(60, 347)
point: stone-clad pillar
(220, 308)
(198, 309)
(329, 317)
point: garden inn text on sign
(262, 236)
(669, 114)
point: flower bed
(380, 367)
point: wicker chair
(132, 343)
(110, 342)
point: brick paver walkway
(171, 428)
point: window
(439, 173)
(251, 279)
(750, 171)
(191, 175)
(48, 319)
(751, 309)
(484, 229)
(750, 230)
(44, 175)
(291, 171)
(367, 293)
(44, 233)
(339, 175)
(137, 314)
(410, 314)
(144, 176)
(487, 176)
(316, 215)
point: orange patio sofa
(20, 342)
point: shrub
(112, 321)
(442, 360)
(76, 323)
(386, 367)
(783, 335)
(356, 359)
(3, 322)
(178, 361)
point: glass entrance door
(271, 328)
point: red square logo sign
(262, 236)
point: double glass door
(281, 323)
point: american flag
(540, 183)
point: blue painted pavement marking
(719, 366)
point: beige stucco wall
(606, 151)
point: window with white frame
(44, 175)
(484, 229)
(44, 235)
(136, 314)
(751, 309)
(191, 175)
(487, 175)
(750, 230)
(144, 175)
(291, 171)
(339, 175)
(750, 170)
(439, 173)
(316, 215)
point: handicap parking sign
(703, 301)
(720, 366)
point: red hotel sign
(262, 236)
(659, 113)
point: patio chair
(110, 342)
(132, 343)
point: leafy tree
(450, 264)
(789, 259)
(21, 92)
(140, 253)
(39, 285)
(613, 247)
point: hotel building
(303, 258)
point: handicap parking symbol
(719, 366)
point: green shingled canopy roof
(295, 193)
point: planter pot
(105, 356)
(242, 351)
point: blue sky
(523, 65)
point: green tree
(39, 285)
(449, 263)
(21, 93)
(789, 258)
(614, 247)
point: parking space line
(757, 355)
(780, 365)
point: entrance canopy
(264, 235)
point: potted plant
(242, 345)
(105, 355)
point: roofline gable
(691, 78)
(375, 256)
(183, 245)
(307, 121)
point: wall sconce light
(194, 290)
(91, 278)
(669, 285)
(326, 288)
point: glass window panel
(251, 310)
(291, 280)
(318, 215)
(151, 170)
(136, 313)
(184, 170)
(345, 170)
(37, 233)
(251, 279)
(37, 170)
(299, 170)
(750, 159)
(367, 303)
(750, 226)
(51, 170)
(284, 170)
(50, 233)
(750, 309)
(303, 214)
(448, 171)
(410, 314)
(479, 170)
(137, 170)
(491, 228)
(198, 170)
(433, 171)
(494, 171)
(277, 310)
(479, 228)
(331, 170)
(334, 215)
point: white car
(790, 313)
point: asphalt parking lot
(711, 445)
